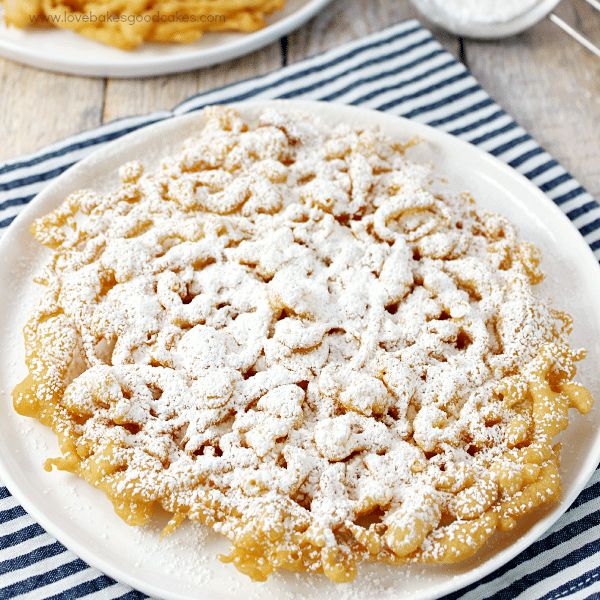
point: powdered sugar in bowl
(485, 19)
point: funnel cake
(283, 333)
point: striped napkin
(403, 71)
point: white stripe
(43, 566)
(500, 140)
(446, 109)
(26, 546)
(8, 503)
(407, 88)
(323, 77)
(464, 104)
(533, 564)
(108, 593)
(563, 188)
(308, 64)
(399, 80)
(42, 167)
(545, 586)
(576, 202)
(549, 175)
(328, 88)
(534, 162)
(515, 153)
(587, 218)
(488, 128)
(587, 592)
(63, 585)
(470, 117)
(27, 190)
(434, 97)
(10, 212)
(591, 238)
(10, 527)
(48, 165)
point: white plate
(67, 52)
(184, 566)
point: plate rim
(179, 62)
(430, 134)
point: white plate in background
(184, 566)
(67, 52)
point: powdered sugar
(477, 11)
(283, 322)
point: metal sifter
(469, 18)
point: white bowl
(486, 31)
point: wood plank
(551, 85)
(38, 108)
(343, 21)
(137, 96)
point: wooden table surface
(544, 79)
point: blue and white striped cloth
(403, 71)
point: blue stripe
(317, 68)
(380, 75)
(560, 564)
(389, 88)
(424, 92)
(26, 560)
(79, 145)
(4, 493)
(26, 533)
(589, 227)
(6, 222)
(16, 202)
(475, 125)
(369, 63)
(494, 133)
(133, 595)
(37, 178)
(569, 195)
(11, 513)
(510, 145)
(517, 162)
(43, 579)
(575, 585)
(447, 100)
(589, 493)
(541, 169)
(550, 185)
(90, 587)
(461, 113)
(582, 210)
(551, 541)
